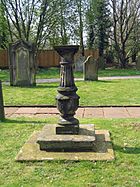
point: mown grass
(98, 93)
(123, 171)
(55, 73)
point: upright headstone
(91, 69)
(79, 63)
(101, 63)
(2, 115)
(138, 63)
(22, 64)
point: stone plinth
(138, 63)
(22, 64)
(2, 114)
(49, 140)
(103, 150)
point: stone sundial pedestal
(67, 135)
(67, 140)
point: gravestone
(22, 64)
(101, 63)
(2, 115)
(91, 69)
(79, 63)
(138, 63)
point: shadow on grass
(107, 81)
(21, 121)
(38, 86)
(47, 85)
(128, 150)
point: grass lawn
(99, 93)
(123, 171)
(54, 73)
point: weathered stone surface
(138, 63)
(67, 100)
(27, 110)
(49, 140)
(104, 151)
(91, 69)
(79, 63)
(22, 64)
(2, 114)
(101, 63)
(10, 110)
(115, 112)
(47, 110)
(134, 112)
(93, 113)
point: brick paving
(82, 112)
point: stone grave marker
(79, 63)
(22, 64)
(101, 63)
(2, 115)
(138, 63)
(91, 69)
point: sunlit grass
(123, 171)
(98, 93)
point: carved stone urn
(67, 100)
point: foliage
(125, 20)
(94, 24)
(3, 28)
(29, 20)
(123, 171)
(98, 24)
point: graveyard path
(82, 112)
(81, 79)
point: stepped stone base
(84, 140)
(102, 149)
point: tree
(103, 25)
(91, 24)
(79, 9)
(64, 21)
(3, 28)
(98, 24)
(30, 20)
(125, 14)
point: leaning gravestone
(138, 63)
(91, 69)
(22, 64)
(101, 63)
(2, 115)
(79, 63)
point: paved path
(81, 79)
(82, 112)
